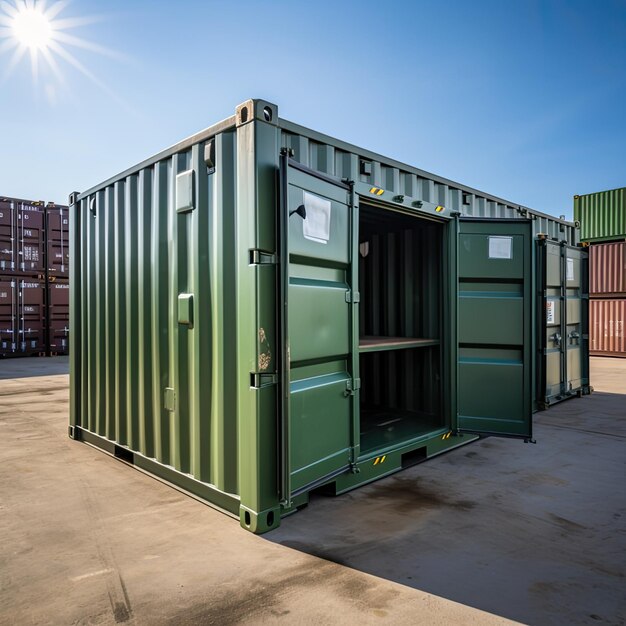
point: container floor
(382, 427)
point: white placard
(550, 312)
(500, 247)
(316, 226)
(570, 269)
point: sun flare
(34, 30)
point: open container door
(494, 327)
(563, 321)
(319, 372)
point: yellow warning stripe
(379, 459)
(440, 209)
(377, 191)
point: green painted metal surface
(563, 314)
(224, 293)
(495, 305)
(602, 215)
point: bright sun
(32, 28)
(35, 29)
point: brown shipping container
(607, 269)
(8, 316)
(32, 316)
(57, 240)
(607, 320)
(58, 317)
(30, 239)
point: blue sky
(523, 99)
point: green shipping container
(262, 310)
(602, 215)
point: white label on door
(316, 225)
(570, 269)
(500, 247)
(550, 312)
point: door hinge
(262, 380)
(352, 386)
(259, 257)
(353, 297)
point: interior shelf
(377, 344)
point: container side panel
(313, 150)
(607, 269)
(145, 282)
(121, 422)
(602, 215)
(30, 239)
(156, 275)
(58, 316)
(201, 340)
(57, 241)
(109, 322)
(222, 258)
(99, 338)
(608, 322)
(8, 251)
(159, 264)
(133, 381)
(8, 316)
(76, 305)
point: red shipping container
(607, 320)
(58, 317)
(607, 269)
(57, 241)
(8, 316)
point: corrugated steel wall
(57, 241)
(602, 215)
(337, 158)
(58, 316)
(607, 269)
(607, 321)
(137, 254)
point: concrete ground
(496, 530)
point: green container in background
(602, 215)
(262, 310)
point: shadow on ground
(534, 533)
(30, 367)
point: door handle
(574, 335)
(556, 338)
(301, 211)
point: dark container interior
(400, 282)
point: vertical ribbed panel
(325, 157)
(607, 269)
(602, 215)
(607, 322)
(137, 255)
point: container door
(494, 327)
(318, 371)
(564, 321)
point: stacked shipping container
(602, 218)
(33, 257)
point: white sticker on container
(316, 225)
(500, 247)
(570, 269)
(550, 312)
